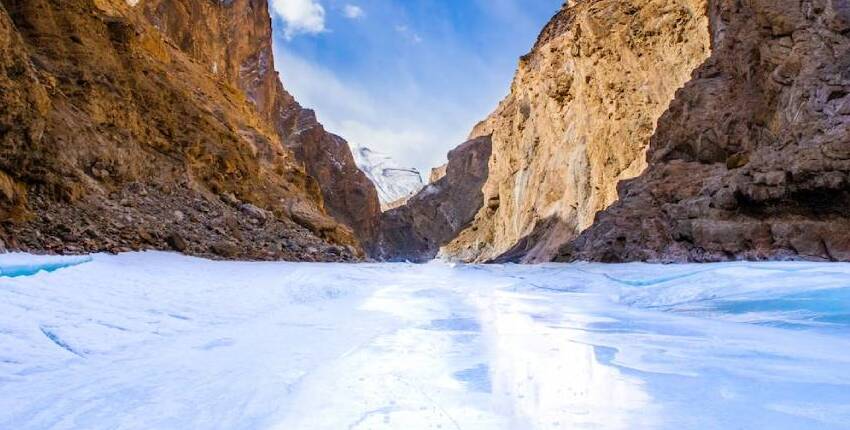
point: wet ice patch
(476, 378)
(825, 309)
(15, 264)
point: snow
(392, 181)
(162, 341)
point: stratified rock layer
(579, 117)
(113, 138)
(434, 216)
(752, 161)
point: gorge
(184, 245)
(653, 130)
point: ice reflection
(547, 375)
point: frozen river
(161, 341)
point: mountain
(234, 40)
(416, 230)
(752, 159)
(578, 119)
(670, 130)
(162, 125)
(395, 184)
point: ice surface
(17, 264)
(161, 341)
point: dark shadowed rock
(434, 216)
(225, 249)
(176, 242)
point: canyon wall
(116, 135)
(578, 120)
(416, 230)
(233, 39)
(752, 160)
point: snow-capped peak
(394, 183)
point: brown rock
(144, 236)
(176, 242)
(254, 212)
(789, 198)
(157, 107)
(578, 120)
(234, 43)
(225, 249)
(437, 173)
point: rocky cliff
(578, 120)
(233, 39)
(752, 160)
(118, 135)
(435, 215)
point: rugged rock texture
(112, 138)
(233, 40)
(350, 197)
(442, 209)
(752, 161)
(579, 117)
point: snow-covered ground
(161, 341)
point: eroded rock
(578, 120)
(773, 91)
(120, 122)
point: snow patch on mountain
(394, 182)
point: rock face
(434, 216)
(350, 197)
(752, 160)
(395, 184)
(578, 120)
(116, 135)
(233, 39)
(437, 173)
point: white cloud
(300, 16)
(418, 136)
(353, 11)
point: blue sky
(406, 77)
